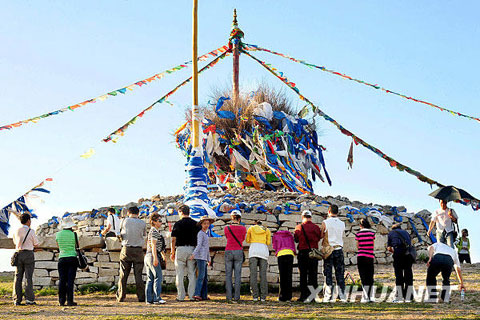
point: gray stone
(50, 265)
(43, 256)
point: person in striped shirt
(365, 257)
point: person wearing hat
(398, 239)
(25, 242)
(307, 267)
(67, 262)
(201, 254)
(333, 229)
(259, 238)
(234, 256)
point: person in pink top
(284, 245)
(234, 256)
(365, 258)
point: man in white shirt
(112, 228)
(442, 259)
(25, 241)
(443, 220)
(333, 229)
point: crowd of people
(190, 253)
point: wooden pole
(236, 60)
(195, 109)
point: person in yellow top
(259, 238)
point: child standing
(201, 254)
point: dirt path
(105, 307)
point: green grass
(47, 291)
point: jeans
(366, 271)
(440, 263)
(402, 266)
(233, 264)
(308, 269)
(446, 237)
(131, 256)
(25, 267)
(153, 288)
(255, 264)
(182, 264)
(285, 268)
(67, 270)
(334, 261)
(201, 288)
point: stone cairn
(267, 206)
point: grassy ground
(104, 306)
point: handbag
(243, 253)
(409, 249)
(82, 260)
(14, 259)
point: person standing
(463, 247)
(442, 259)
(201, 254)
(153, 261)
(283, 244)
(307, 235)
(184, 241)
(365, 258)
(443, 219)
(333, 230)
(25, 241)
(398, 241)
(113, 224)
(132, 233)
(67, 262)
(259, 238)
(234, 255)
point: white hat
(236, 213)
(67, 223)
(306, 213)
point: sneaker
(263, 300)
(373, 300)
(179, 300)
(30, 303)
(161, 301)
(363, 300)
(408, 301)
(255, 299)
(16, 303)
(397, 301)
(71, 304)
(343, 300)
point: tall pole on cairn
(235, 39)
(195, 110)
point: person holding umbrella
(443, 219)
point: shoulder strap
(76, 241)
(234, 237)
(403, 238)
(23, 242)
(306, 238)
(113, 222)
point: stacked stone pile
(276, 210)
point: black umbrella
(450, 193)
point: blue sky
(56, 54)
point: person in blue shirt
(398, 240)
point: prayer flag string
(356, 139)
(121, 91)
(252, 47)
(121, 131)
